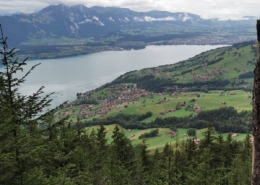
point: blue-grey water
(67, 76)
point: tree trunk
(256, 115)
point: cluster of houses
(123, 93)
(86, 111)
(118, 94)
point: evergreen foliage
(191, 132)
(224, 119)
(153, 133)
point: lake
(67, 76)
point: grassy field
(239, 99)
(207, 101)
(159, 141)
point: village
(118, 94)
(118, 97)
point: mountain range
(82, 22)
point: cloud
(223, 9)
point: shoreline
(32, 57)
(80, 74)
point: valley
(192, 120)
(216, 76)
(174, 96)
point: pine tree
(208, 137)
(167, 159)
(101, 138)
(21, 115)
(142, 164)
(157, 175)
(123, 148)
(240, 173)
(99, 159)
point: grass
(240, 100)
(207, 101)
(159, 141)
(233, 62)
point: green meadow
(238, 99)
(158, 141)
(226, 63)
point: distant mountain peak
(55, 7)
(79, 21)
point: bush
(153, 133)
(191, 132)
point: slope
(217, 78)
(223, 68)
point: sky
(222, 9)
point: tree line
(224, 119)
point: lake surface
(67, 76)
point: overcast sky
(224, 9)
